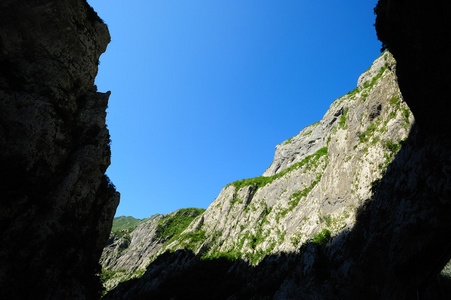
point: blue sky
(202, 91)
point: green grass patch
(365, 136)
(123, 233)
(394, 101)
(308, 162)
(174, 225)
(342, 122)
(364, 96)
(289, 141)
(191, 240)
(406, 115)
(124, 222)
(322, 237)
(393, 147)
(109, 274)
(232, 254)
(299, 194)
(353, 92)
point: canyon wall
(306, 229)
(398, 241)
(343, 207)
(57, 205)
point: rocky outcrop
(318, 179)
(57, 205)
(297, 220)
(391, 245)
(128, 252)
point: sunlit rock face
(56, 203)
(395, 241)
(272, 230)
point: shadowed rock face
(418, 33)
(57, 205)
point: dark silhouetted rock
(57, 205)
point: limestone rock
(291, 233)
(381, 190)
(129, 252)
(318, 179)
(57, 205)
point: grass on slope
(308, 162)
(174, 225)
(124, 222)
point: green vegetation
(295, 240)
(393, 147)
(251, 239)
(353, 92)
(191, 240)
(327, 219)
(364, 96)
(406, 115)
(264, 214)
(395, 101)
(288, 141)
(299, 194)
(236, 199)
(342, 122)
(174, 225)
(322, 237)
(123, 227)
(109, 274)
(375, 78)
(369, 84)
(124, 233)
(364, 136)
(309, 162)
(232, 254)
(124, 222)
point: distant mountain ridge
(126, 222)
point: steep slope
(311, 196)
(56, 205)
(126, 222)
(317, 179)
(130, 250)
(399, 241)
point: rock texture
(318, 178)
(57, 205)
(356, 213)
(128, 252)
(324, 217)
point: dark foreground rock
(56, 204)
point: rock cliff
(57, 205)
(353, 207)
(129, 251)
(317, 180)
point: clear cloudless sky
(203, 90)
